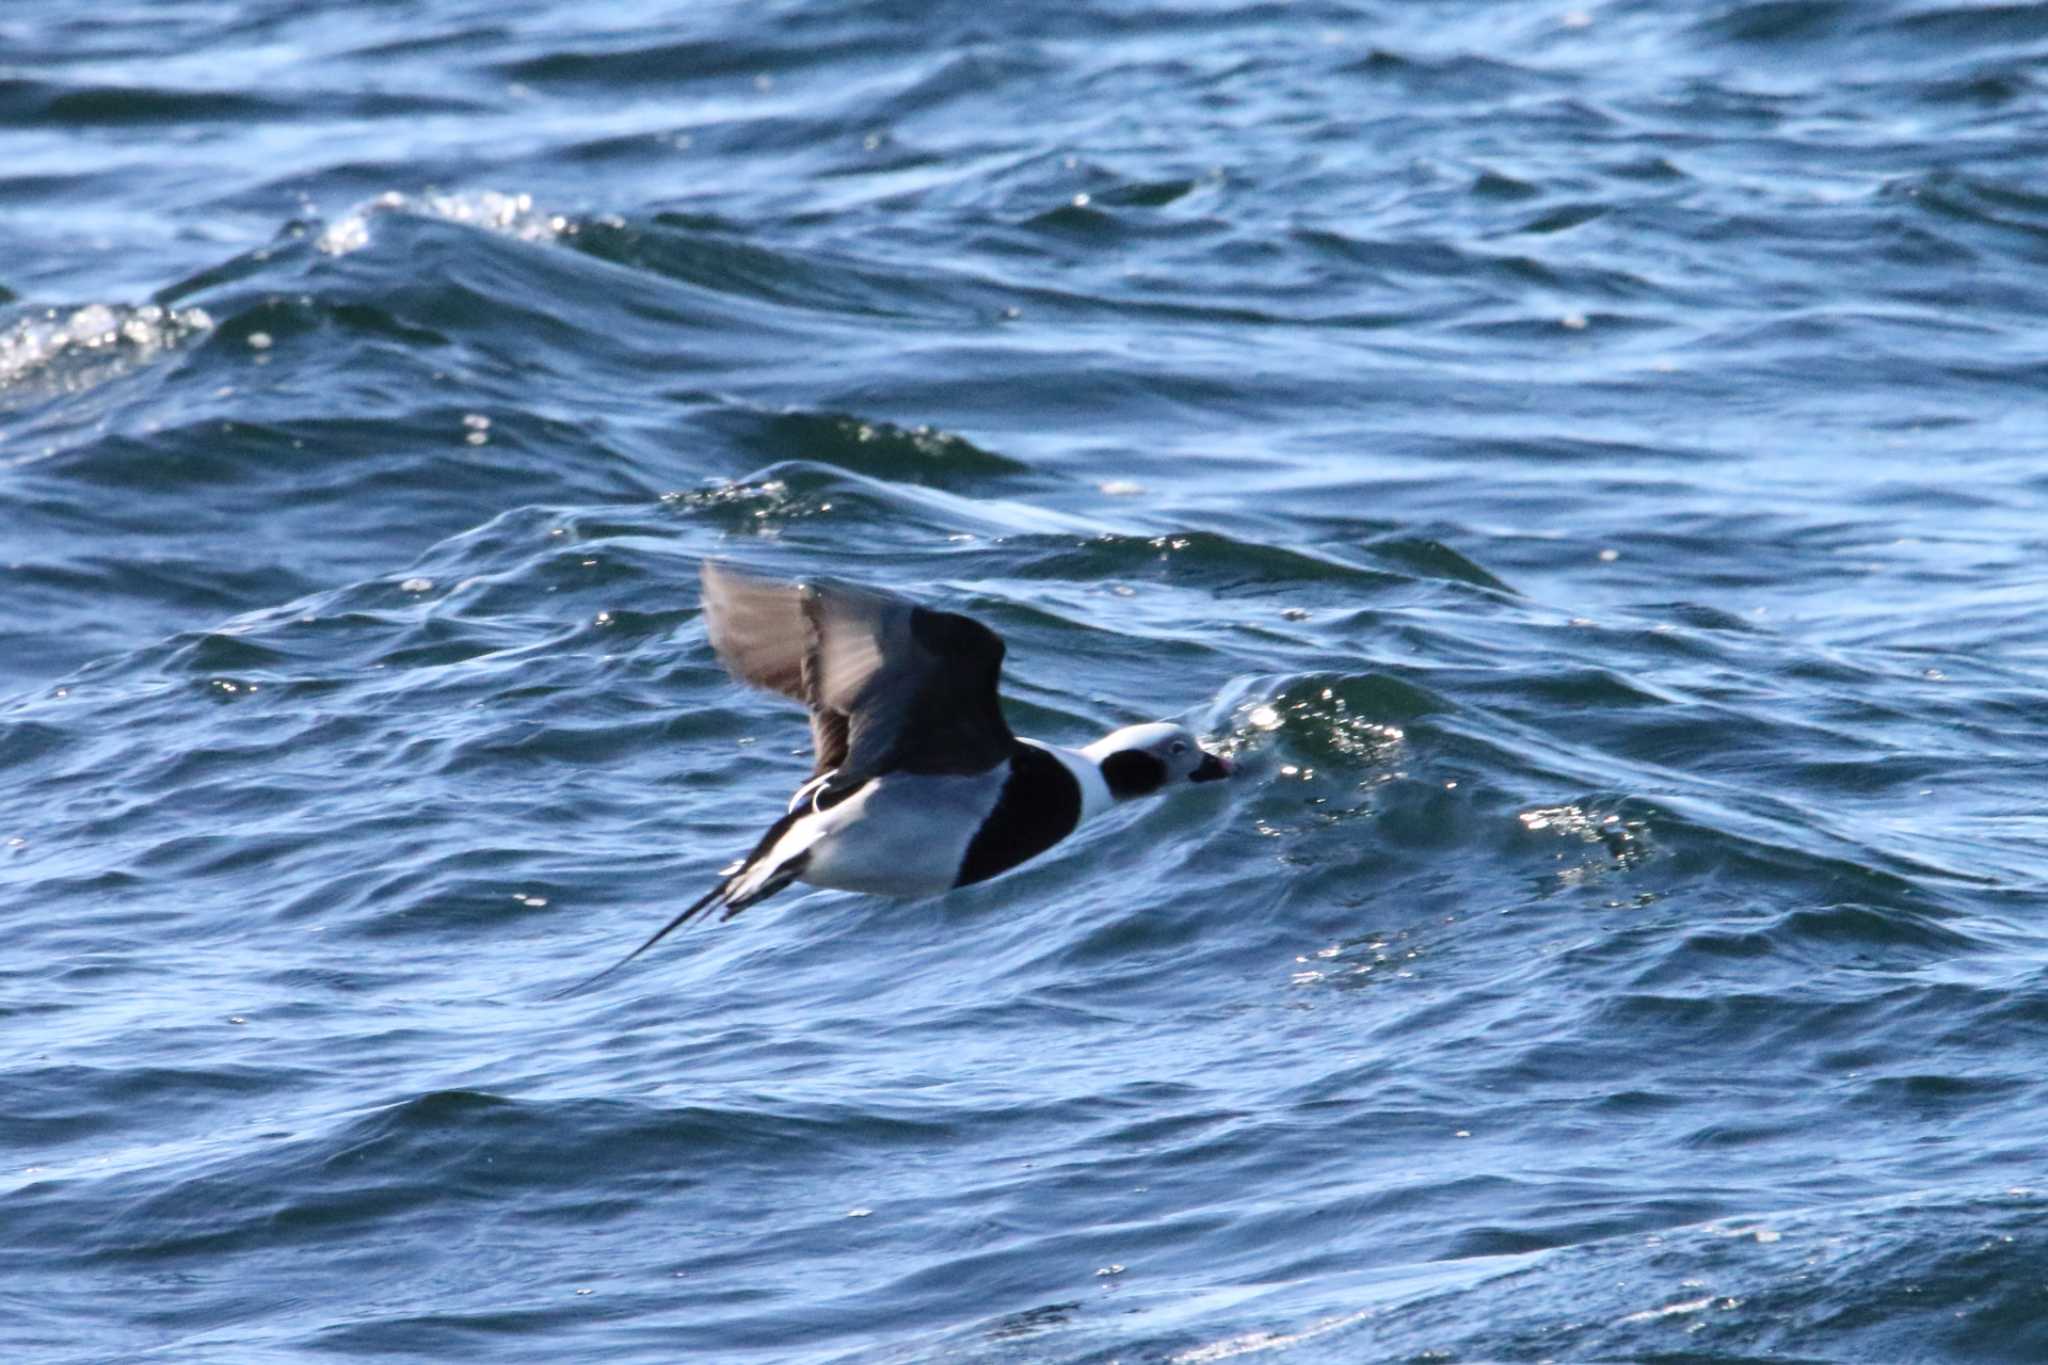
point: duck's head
(1139, 760)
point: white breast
(901, 835)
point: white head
(1139, 760)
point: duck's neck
(1087, 771)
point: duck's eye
(1180, 746)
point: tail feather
(727, 893)
(657, 936)
(769, 885)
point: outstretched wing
(891, 686)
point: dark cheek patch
(1133, 772)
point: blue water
(1584, 460)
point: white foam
(98, 331)
(510, 214)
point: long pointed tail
(657, 936)
(729, 892)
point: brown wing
(763, 636)
(890, 685)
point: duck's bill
(1212, 768)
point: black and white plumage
(919, 785)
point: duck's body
(919, 786)
(906, 835)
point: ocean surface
(1588, 462)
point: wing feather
(890, 685)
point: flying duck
(919, 785)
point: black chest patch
(1040, 805)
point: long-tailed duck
(919, 785)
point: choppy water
(1587, 461)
